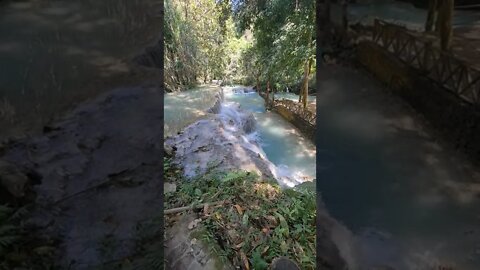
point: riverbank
(382, 157)
(73, 51)
(250, 201)
(254, 222)
(99, 185)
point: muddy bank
(100, 169)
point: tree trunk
(431, 15)
(258, 84)
(186, 9)
(438, 20)
(345, 16)
(304, 96)
(327, 10)
(268, 90)
(324, 24)
(300, 92)
(445, 19)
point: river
(411, 201)
(398, 12)
(54, 54)
(282, 143)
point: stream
(292, 155)
(55, 54)
(397, 12)
(411, 201)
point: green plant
(9, 233)
(21, 246)
(261, 222)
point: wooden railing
(298, 109)
(442, 67)
(295, 107)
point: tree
(445, 17)
(198, 37)
(284, 41)
(431, 15)
(440, 15)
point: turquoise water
(184, 108)
(281, 141)
(293, 97)
(398, 12)
(411, 202)
(56, 53)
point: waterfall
(236, 118)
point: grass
(260, 223)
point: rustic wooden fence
(295, 107)
(298, 109)
(442, 67)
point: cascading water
(270, 136)
(238, 133)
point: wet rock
(183, 253)
(169, 188)
(222, 147)
(168, 149)
(249, 124)
(218, 103)
(99, 163)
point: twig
(198, 206)
(101, 185)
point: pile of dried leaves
(254, 222)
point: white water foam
(233, 119)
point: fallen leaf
(239, 209)
(245, 260)
(205, 209)
(239, 245)
(272, 220)
(264, 251)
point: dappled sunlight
(293, 155)
(266, 190)
(61, 51)
(184, 108)
(378, 155)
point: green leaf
(258, 263)
(284, 247)
(245, 219)
(283, 224)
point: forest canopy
(259, 42)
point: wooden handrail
(458, 76)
